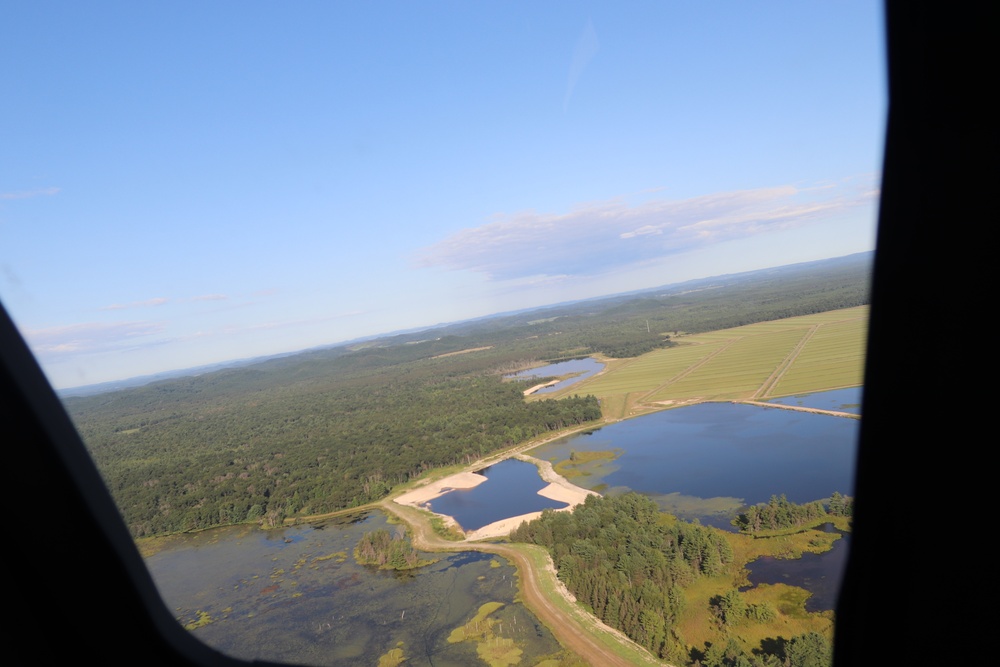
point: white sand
(423, 495)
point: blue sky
(184, 183)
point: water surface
(706, 461)
(820, 574)
(585, 367)
(838, 400)
(511, 489)
(296, 595)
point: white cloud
(90, 337)
(600, 236)
(210, 297)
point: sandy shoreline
(558, 489)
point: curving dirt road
(574, 631)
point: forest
(338, 427)
(629, 563)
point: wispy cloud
(210, 297)
(28, 194)
(600, 236)
(90, 337)
(586, 48)
(158, 301)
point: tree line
(779, 513)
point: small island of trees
(386, 552)
(781, 514)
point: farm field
(753, 362)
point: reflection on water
(296, 595)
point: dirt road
(574, 631)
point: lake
(707, 461)
(296, 595)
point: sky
(186, 183)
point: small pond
(583, 367)
(511, 489)
(820, 574)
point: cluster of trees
(841, 505)
(808, 650)
(381, 549)
(781, 514)
(628, 562)
(732, 610)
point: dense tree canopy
(628, 561)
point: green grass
(782, 357)
(833, 357)
(444, 530)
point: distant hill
(697, 305)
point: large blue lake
(706, 461)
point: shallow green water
(296, 595)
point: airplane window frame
(82, 589)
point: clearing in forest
(753, 362)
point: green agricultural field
(777, 358)
(833, 357)
(737, 371)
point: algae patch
(588, 464)
(492, 648)
(202, 620)
(393, 658)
